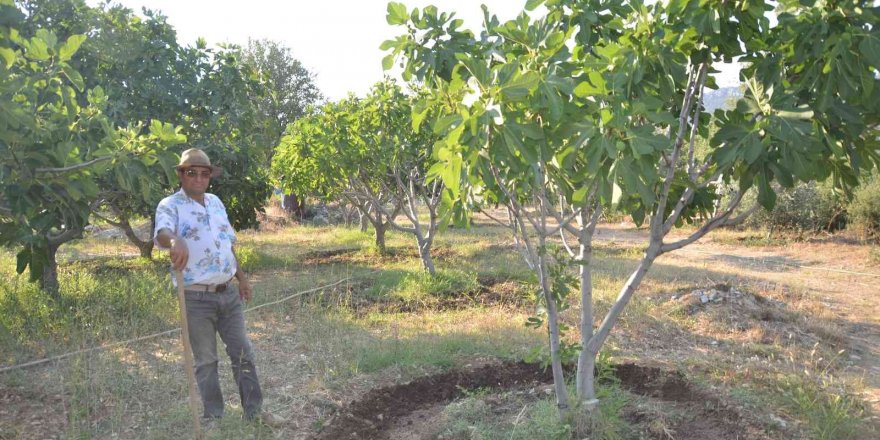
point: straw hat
(195, 157)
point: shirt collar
(181, 193)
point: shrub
(864, 209)
(805, 207)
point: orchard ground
(736, 336)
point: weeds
(828, 404)
(252, 259)
(520, 414)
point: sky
(336, 40)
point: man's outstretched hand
(245, 291)
(179, 253)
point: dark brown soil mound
(370, 416)
(381, 409)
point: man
(193, 224)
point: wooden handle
(188, 358)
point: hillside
(715, 99)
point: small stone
(704, 299)
(854, 357)
(779, 422)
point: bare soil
(407, 411)
(827, 291)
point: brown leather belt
(210, 288)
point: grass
(525, 415)
(101, 300)
(756, 238)
(473, 418)
(414, 285)
(325, 346)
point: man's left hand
(244, 289)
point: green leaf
(579, 195)
(396, 13)
(37, 49)
(387, 44)
(532, 4)
(520, 85)
(752, 148)
(870, 49)
(38, 261)
(442, 124)
(515, 143)
(766, 195)
(22, 260)
(554, 102)
(595, 154)
(451, 175)
(8, 56)
(585, 89)
(69, 48)
(644, 141)
(608, 146)
(388, 61)
(631, 183)
(74, 77)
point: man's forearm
(239, 273)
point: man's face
(194, 180)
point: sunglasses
(191, 173)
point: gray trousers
(209, 314)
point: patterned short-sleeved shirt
(208, 234)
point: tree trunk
(512, 219)
(364, 220)
(347, 213)
(585, 380)
(380, 237)
(425, 254)
(562, 405)
(49, 278)
(144, 246)
(294, 205)
(626, 292)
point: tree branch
(72, 167)
(684, 200)
(63, 237)
(715, 222)
(657, 230)
(491, 217)
(694, 126)
(375, 200)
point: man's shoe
(210, 423)
(268, 419)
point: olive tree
(596, 105)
